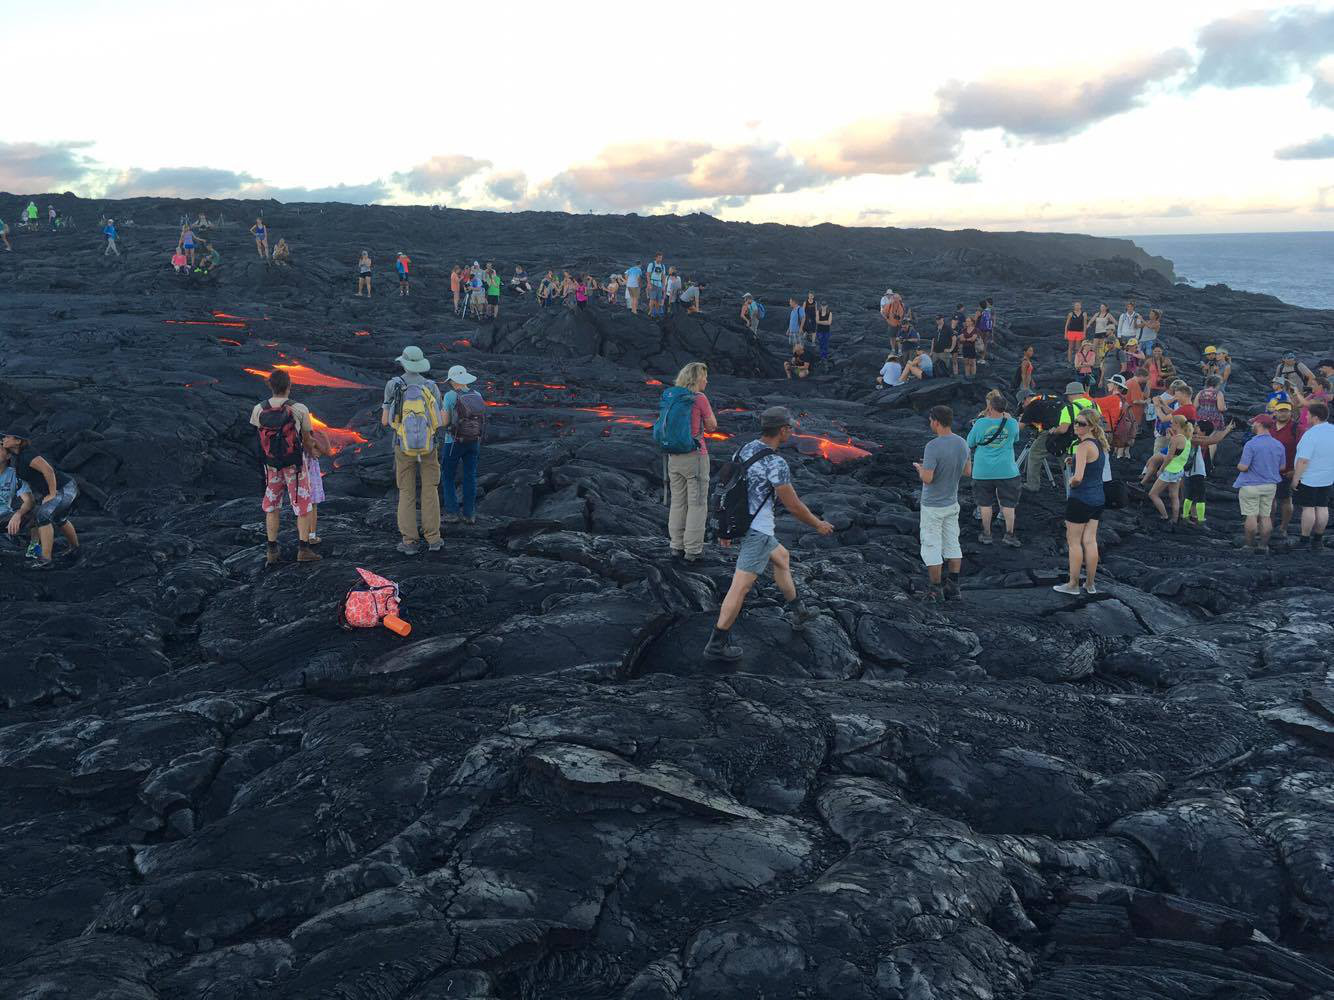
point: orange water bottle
(397, 625)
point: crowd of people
(954, 347)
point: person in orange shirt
(455, 282)
(1137, 396)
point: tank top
(1090, 491)
(823, 318)
(1179, 463)
(1207, 408)
(1076, 323)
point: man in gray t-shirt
(945, 461)
(406, 468)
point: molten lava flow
(716, 435)
(305, 375)
(229, 342)
(202, 322)
(492, 402)
(339, 437)
(634, 421)
(652, 381)
(537, 385)
(465, 342)
(835, 451)
(361, 333)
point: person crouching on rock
(945, 461)
(767, 478)
(412, 408)
(797, 366)
(282, 253)
(1083, 507)
(57, 493)
(284, 442)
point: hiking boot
(1065, 588)
(470, 520)
(934, 595)
(1011, 541)
(271, 557)
(677, 554)
(984, 537)
(1317, 542)
(436, 545)
(407, 548)
(305, 553)
(951, 588)
(450, 518)
(799, 614)
(41, 564)
(722, 648)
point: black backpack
(279, 436)
(731, 503)
(469, 423)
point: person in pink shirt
(688, 475)
(179, 263)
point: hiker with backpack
(463, 425)
(412, 409)
(744, 512)
(284, 441)
(684, 417)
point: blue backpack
(984, 321)
(672, 429)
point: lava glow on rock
(305, 375)
(339, 437)
(835, 451)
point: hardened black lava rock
(208, 788)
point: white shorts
(939, 529)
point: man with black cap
(53, 495)
(412, 399)
(766, 478)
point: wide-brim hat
(413, 360)
(461, 375)
(1074, 388)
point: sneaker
(951, 588)
(313, 540)
(1261, 550)
(470, 520)
(435, 546)
(677, 554)
(1012, 541)
(1065, 588)
(1090, 588)
(34, 551)
(306, 554)
(41, 564)
(800, 615)
(934, 595)
(407, 548)
(984, 537)
(725, 650)
(450, 518)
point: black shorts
(1195, 488)
(968, 351)
(1078, 512)
(402, 279)
(1311, 496)
(1284, 491)
(494, 299)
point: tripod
(1022, 461)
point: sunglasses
(1082, 423)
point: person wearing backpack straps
(684, 417)
(995, 472)
(412, 409)
(463, 425)
(284, 441)
(766, 478)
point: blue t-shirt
(447, 406)
(1264, 457)
(994, 460)
(110, 232)
(1317, 447)
(633, 274)
(794, 320)
(11, 488)
(927, 365)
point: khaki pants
(688, 476)
(1037, 454)
(405, 474)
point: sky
(1131, 117)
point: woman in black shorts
(1083, 506)
(968, 348)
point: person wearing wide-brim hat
(463, 424)
(407, 391)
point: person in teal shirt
(996, 479)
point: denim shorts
(756, 548)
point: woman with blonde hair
(688, 474)
(1083, 507)
(1173, 469)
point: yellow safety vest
(1071, 410)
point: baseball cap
(1263, 419)
(776, 418)
(1074, 388)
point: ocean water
(1296, 267)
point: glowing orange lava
(339, 437)
(835, 451)
(202, 322)
(652, 381)
(492, 402)
(229, 342)
(361, 333)
(537, 385)
(463, 343)
(305, 375)
(716, 435)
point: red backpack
(279, 436)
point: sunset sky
(1131, 117)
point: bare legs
(1082, 540)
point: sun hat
(775, 418)
(461, 375)
(1211, 350)
(1074, 388)
(1289, 354)
(1118, 380)
(413, 360)
(748, 296)
(1132, 342)
(14, 433)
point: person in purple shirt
(1260, 466)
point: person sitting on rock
(519, 283)
(282, 253)
(57, 493)
(920, 367)
(768, 479)
(797, 366)
(16, 498)
(179, 264)
(891, 372)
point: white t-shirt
(884, 301)
(300, 413)
(891, 373)
(632, 277)
(1317, 447)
